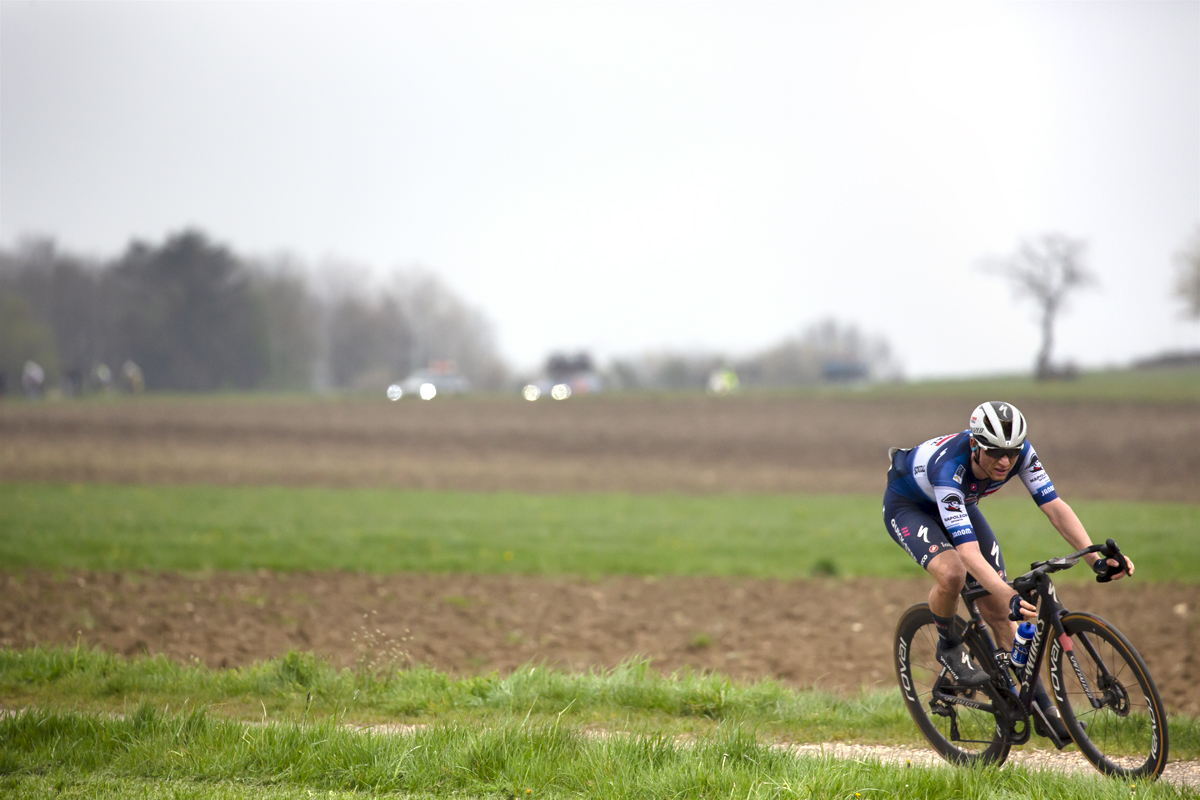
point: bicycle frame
(1049, 633)
(1050, 609)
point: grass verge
(515, 759)
(196, 528)
(628, 697)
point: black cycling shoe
(958, 661)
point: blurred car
(442, 382)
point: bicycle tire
(917, 670)
(1127, 736)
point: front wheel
(961, 734)
(1107, 699)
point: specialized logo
(1005, 414)
(953, 502)
(923, 534)
(996, 552)
(1035, 647)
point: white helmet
(998, 425)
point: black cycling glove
(1014, 608)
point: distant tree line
(194, 315)
(827, 352)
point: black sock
(1043, 700)
(945, 626)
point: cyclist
(931, 509)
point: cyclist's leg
(993, 609)
(924, 539)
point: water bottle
(1020, 651)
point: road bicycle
(1100, 684)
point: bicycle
(1101, 687)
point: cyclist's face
(996, 466)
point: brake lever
(1107, 571)
(1025, 591)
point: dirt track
(832, 634)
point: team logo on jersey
(953, 503)
(958, 474)
(1035, 464)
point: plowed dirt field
(832, 634)
(618, 443)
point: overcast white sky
(630, 176)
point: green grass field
(207, 757)
(197, 528)
(104, 726)
(1180, 385)
(628, 697)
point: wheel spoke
(960, 733)
(1125, 735)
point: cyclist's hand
(1021, 608)
(1112, 562)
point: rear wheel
(1111, 694)
(962, 735)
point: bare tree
(1046, 270)
(1187, 282)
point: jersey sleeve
(1035, 478)
(952, 507)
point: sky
(632, 177)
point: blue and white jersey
(939, 476)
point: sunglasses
(1001, 452)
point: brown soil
(831, 634)
(622, 443)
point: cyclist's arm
(1064, 520)
(985, 573)
(987, 576)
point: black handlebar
(1105, 572)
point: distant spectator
(103, 377)
(134, 381)
(73, 381)
(33, 377)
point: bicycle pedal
(1047, 730)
